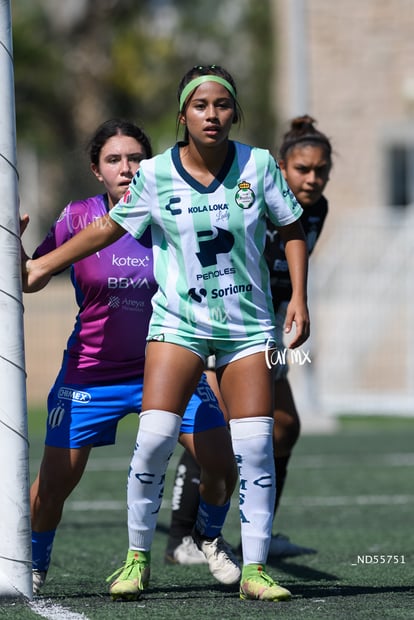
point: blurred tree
(94, 60)
(258, 97)
(238, 35)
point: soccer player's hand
(33, 277)
(297, 314)
(24, 221)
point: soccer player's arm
(296, 252)
(99, 234)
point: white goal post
(15, 533)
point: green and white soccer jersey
(208, 242)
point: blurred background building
(349, 65)
(353, 72)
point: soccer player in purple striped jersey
(101, 377)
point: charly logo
(173, 201)
(56, 416)
(245, 195)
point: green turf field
(349, 495)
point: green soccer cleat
(133, 576)
(256, 585)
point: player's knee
(286, 432)
(220, 480)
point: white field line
(403, 459)
(293, 502)
(348, 500)
(397, 459)
(51, 611)
(390, 459)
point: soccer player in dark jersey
(305, 158)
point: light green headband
(191, 86)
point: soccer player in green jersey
(206, 200)
(305, 159)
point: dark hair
(303, 133)
(197, 71)
(114, 127)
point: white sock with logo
(157, 437)
(252, 440)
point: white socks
(157, 437)
(252, 440)
(253, 447)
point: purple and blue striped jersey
(113, 289)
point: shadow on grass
(188, 591)
(201, 592)
(320, 591)
(300, 571)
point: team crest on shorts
(245, 195)
(158, 337)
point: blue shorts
(80, 415)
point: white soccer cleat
(282, 547)
(187, 553)
(222, 562)
(39, 578)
